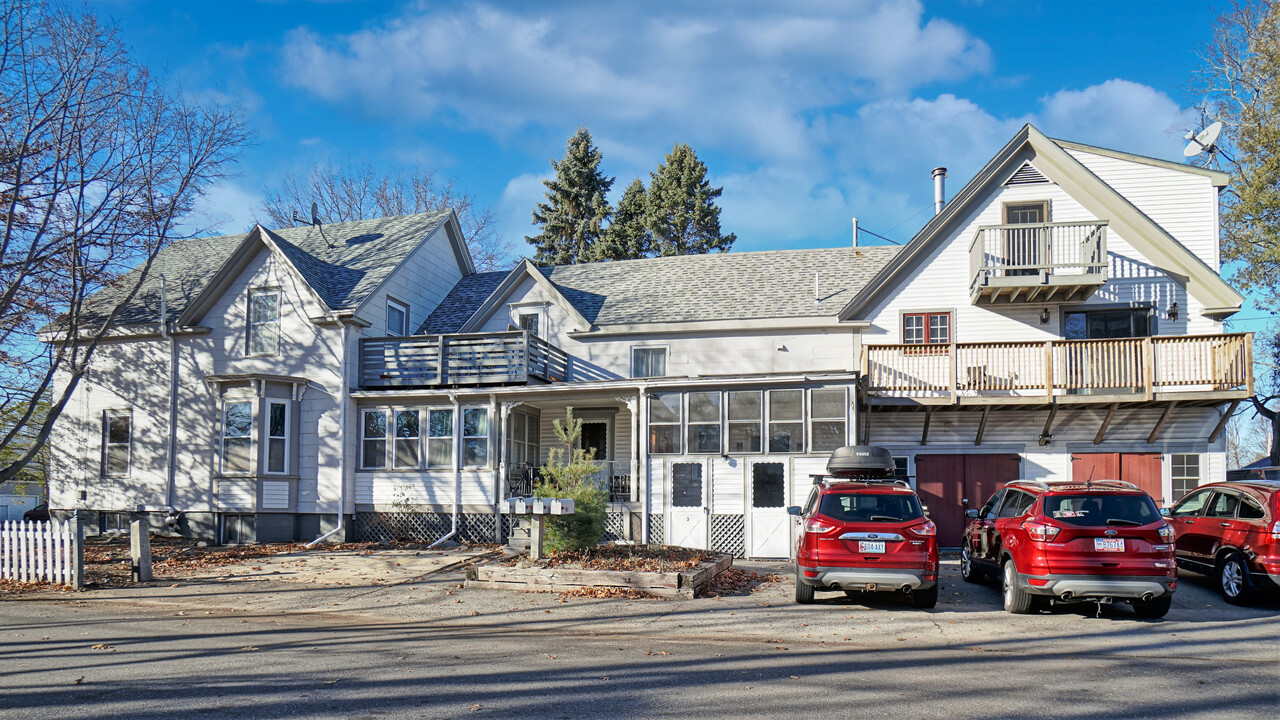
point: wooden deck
(497, 358)
(1047, 262)
(1061, 371)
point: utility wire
(864, 230)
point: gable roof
(356, 259)
(1052, 159)
(763, 285)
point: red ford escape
(1231, 532)
(1063, 542)
(863, 530)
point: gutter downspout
(643, 460)
(171, 465)
(342, 454)
(457, 468)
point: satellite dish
(315, 210)
(1203, 141)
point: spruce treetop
(682, 214)
(576, 209)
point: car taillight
(924, 529)
(1166, 532)
(1042, 532)
(814, 525)
(1275, 530)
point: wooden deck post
(1048, 369)
(1148, 367)
(954, 364)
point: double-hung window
(529, 322)
(1185, 473)
(931, 328)
(264, 322)
(648, 362)
(664, 423)
(475, 437)
(373, 435)
(786, 421)
(704, 422)
(397, 318)
(439, 438)
(237, 437)
(406, 450)
(277, 437)
(828, 409)
(746, 410)
(117, 434)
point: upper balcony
(1183, 367)
(493, 358)
(1040, 263)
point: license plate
(871, 546)
(1108, 545)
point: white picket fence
(42, 552)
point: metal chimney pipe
(939, 189)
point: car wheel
(1233, 579)
(1016, 599)
(1156, 608)
(925, 599)
(967, 571)
(804, 591)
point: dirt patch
(736, 581)
(635, 558)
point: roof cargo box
(862, 461)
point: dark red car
(1231, 532)
(863, 530)
(1061, 542)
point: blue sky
(807, 113)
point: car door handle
(1224, 524)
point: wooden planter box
(685, 584)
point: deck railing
(615, 476)
(1186, 363)
(463, 359)
(1031, 254)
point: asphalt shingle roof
(723, 286)
(363, 254)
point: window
(264, 322)
(440, 438)
(524, 433)
(277, 437)
(1101, 324)
(828, 409)
(746, 409)
(932, 328)
(786, 421)
(900, 468)
(768, 485)
(1186, 474)
(664, 423)
(704, 422)
(686, 485)
(648, 362)
(1250, 509)
(1015, 504)
(117, 433)
(1192, 504)
(374, 433)
(988, 511)
(237, 437)
(397, 318)
(529, 321)
(1022, 245)
(1223, 505)
(406, 451)
(475, 437)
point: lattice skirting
(425, 527)
(728, 534)
(656, 535)
(615, 526)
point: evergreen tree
(681, 211)
(628, 236)
(576, 210)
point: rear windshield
(879, 507)
(1100, 510)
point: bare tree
(359, 192)
(99, 170)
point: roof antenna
(1204, 141)
(315, 223)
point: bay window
(277, 437)
(237, 437)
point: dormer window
(397, 318)
(529, 322)
(264, 322)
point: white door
(768, 524)
(690, 512)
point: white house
(1060, 317)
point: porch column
(852, 435)
(500, 482)
(633, 488)
(643, 469)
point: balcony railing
(465, 359)
(1047, 262)
(1128, 366)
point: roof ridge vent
(1026, 175)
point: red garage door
(1141, 469)
(949, 484)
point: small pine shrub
(571, 473)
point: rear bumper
(1098, 586)
(850, 578)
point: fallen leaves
(78, 680)
(101, 646)
(250, 648)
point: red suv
(1231, 531)
(1072, 542)
(863, 530)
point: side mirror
(794, 510)
(1165, 512)
(971, 513)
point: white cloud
(515, 209)
(1118, 114)
(227, 208)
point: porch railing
(1187, 363)
(615, 476)
(511, 357)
